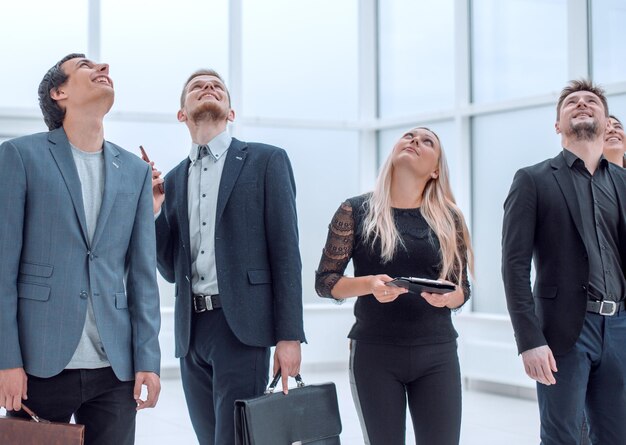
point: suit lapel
(62, 154)
(180, 199)
(235, 159)
(564, 178)
(112, 178)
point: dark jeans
(218, 370)
(385, 377)
(96, 399)
(591, 381)
(584, 437)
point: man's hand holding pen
(158, 192)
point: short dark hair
(202, 72)
(581, 85)
(53, 114)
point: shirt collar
(571, 158)
(219, 146)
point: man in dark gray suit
(568, 215)
(79, 303)
(227, 236)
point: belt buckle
(196, 299)
(208, 302)
(611, 310)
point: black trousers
(385, 377)
(591, 383)
(217, 370)
(96, 399)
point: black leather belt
(203, 303)
(607, 308)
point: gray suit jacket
(48, 267)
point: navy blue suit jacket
(256, 246)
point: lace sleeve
(337, 251)
(465, 284)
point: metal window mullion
(368, 92)
(94, 30)
(578, 55)
(462, 84)
(235, 60)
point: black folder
(419, 285)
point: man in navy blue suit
(227, 236)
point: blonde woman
(403, 345)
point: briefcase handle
(270, 389)
(34, 416)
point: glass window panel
(416, 72)
(300, 59)
(153, 49)
(33, 37)
(519, 48)
(608, 37)
(325, 164)
(617, 106)
(502, 144)
(166, 143)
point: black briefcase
(308, 414)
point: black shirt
(599, 210)
(408, 320)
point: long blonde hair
(438, 208)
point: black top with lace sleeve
(408, 320)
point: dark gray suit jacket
(542, 222)
(256, 246)
(48, 266)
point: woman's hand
(450, 300)
(382, 292)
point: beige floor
(487, 419)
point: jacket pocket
(121, 302)
(31, 291)
(262, 276)
(546, 292)
(37, 270)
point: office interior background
(335, 83)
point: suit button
(83, 295)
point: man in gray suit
(79, 302)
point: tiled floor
(487, 419)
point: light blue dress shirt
(203, 186)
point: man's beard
(584, 131)
(208, 111)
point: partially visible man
(615, 142)
(79, 302)
(227, 235)
(568, 215)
